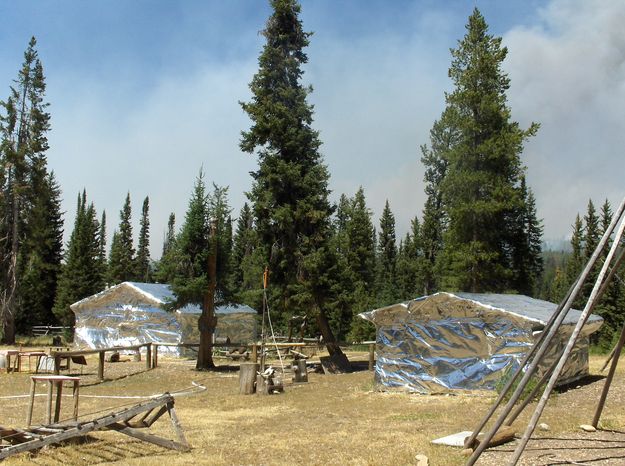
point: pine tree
(170, 234)
(443, 137)
(290, 189)
(410, 264)
(219, 211)
(197, 245)
(43, 247)
(143, 271)
(23, 144)
(387, 257)
(102, 263)
(359, 252)
(481, 185)
(121, 260)
(576, 260)
(80, 276)
(244, 243)
(526, 243)
(361, 240)
(611, 302)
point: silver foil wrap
(132, 313)
(462, 341)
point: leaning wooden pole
(543, 344)
(592, 300)
(608, 381)
(519, 409)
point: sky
(143, 94)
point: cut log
(247, 377)
(504, 435)
(300, 374)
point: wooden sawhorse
(52, 380)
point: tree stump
(247, 378)
(300, 373)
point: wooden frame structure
(60, 355)
(122, 421)
(612, 261)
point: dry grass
(331, 420)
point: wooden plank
(176, 424)
(151, 438)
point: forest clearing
(332, 419)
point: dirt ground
(333, 419)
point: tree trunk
(336, 354)
(208, 321)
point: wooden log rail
(254, 347)
(59, 355)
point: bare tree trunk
(208, 321)
(336, 354)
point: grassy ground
(337, 419)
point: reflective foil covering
(133, 313)
(467, 341)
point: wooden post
(49, 403)
(247, 377)
(154, 356)
(29, 415)
(57, 404)
(75, 394)
(300, 373)
(254, 353)
(57, 364)
(148, 356)
(101, 366)
(371, 356)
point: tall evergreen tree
(244, 243)
(190, 281)
(102, 262)
(42, 254)
(361, 240)
(290, 188)
(359, 252)
(170, 234)
(576, 260)
(219, 211)
(443, 137)
(387, 258)
(80, 276)
(526, 250)
(410, 264)
(121, 260)
(23, 144)
(481, 187)
(143, 270)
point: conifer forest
(478, 230)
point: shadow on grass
(588, 380)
